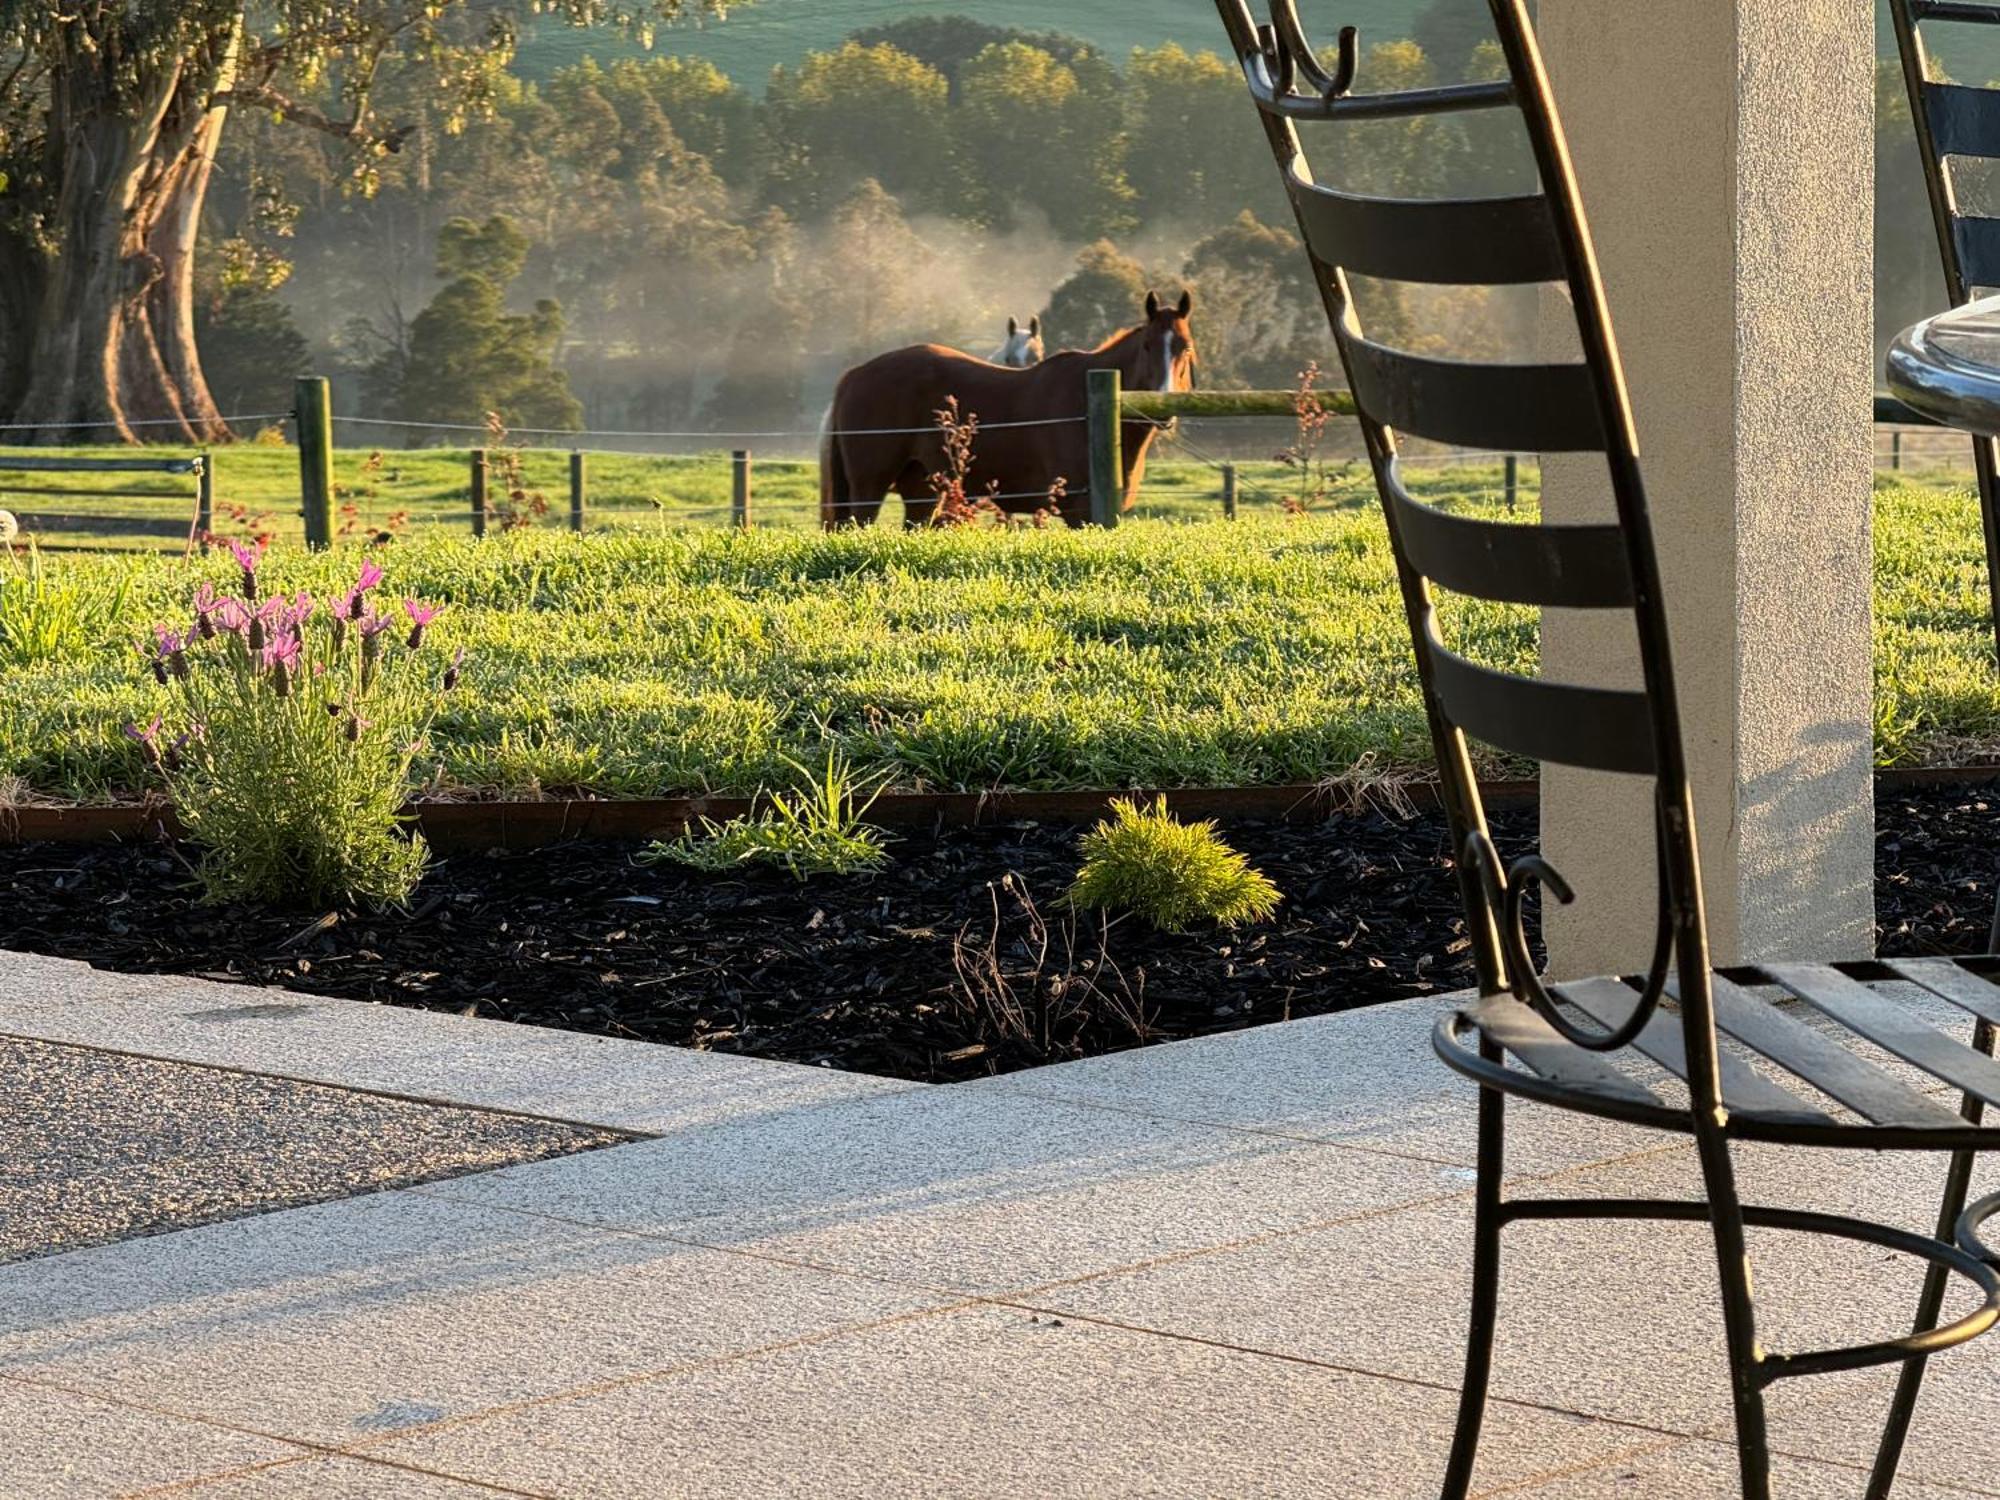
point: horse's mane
(1110, 343)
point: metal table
(1947, 367)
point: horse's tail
(832, 475)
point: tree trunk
(110, 336)
(170, 304)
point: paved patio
(1227, 1267)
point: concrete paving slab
(333, 1478)
(101, 1146)
(972, 1190)
(982, 1403)
(1703, 1471)
(1620, 1320)
(64, 1446)
(1369, 1079)
(349, 1320)
(566, 1075)
(1365, 1078)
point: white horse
(1023, 347)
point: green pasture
(640, 662)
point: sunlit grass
(699, 659)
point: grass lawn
(653, 661)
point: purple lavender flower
(148, 739)
(247, 558)
(421, 615)
(280, 658)
(232, 615)
(171, 658)
(205, 605)
(451, 672)
(371, 574)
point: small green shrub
(290, 738)
(45, 620)
(817, 829)
(1171, 873)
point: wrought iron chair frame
(1954, 119)
(1559, 1034)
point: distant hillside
(756, 38)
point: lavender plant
(290, 737)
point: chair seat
(1824, 1084)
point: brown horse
(882, 432)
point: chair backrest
(1962, 121)
(1952, 120)
(1574, 406)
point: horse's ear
(1187, 303)
(1012, 328)
(1035, 326)
(1152, 304)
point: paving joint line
(117, 1398)
(645, 1377)
(200, 1482)
(766, 1257)
(1339, 1367)
(1055, 1097)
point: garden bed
(884, 973)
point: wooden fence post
(1107, 477)
(313, 412)
(1511, 467)
(479, 492)
(576, 491)
(1229, 492)
(739, 489)
(204, 500)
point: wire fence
(396, 475)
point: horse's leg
(853, 495)
(920, 502)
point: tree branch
(353, 129)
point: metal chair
(1958, 120)
(1561, 1044)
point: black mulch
(909, 972)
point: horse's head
(1023, 346)
(1166, 347)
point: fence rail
(1109, 412)
(201, 519)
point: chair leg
(1485, 1313)
(1930, 1302)
(1739, 1314)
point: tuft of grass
(46, 619)
(1146, 861)
(817, 829)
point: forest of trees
(651, 244)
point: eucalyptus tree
(110, 111)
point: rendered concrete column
(1724, 151)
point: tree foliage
(468, 356)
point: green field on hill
(756, 38)
(629, 664)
